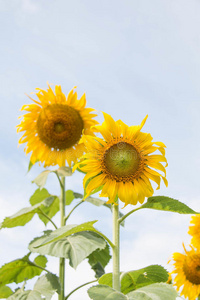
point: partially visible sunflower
(121, 163)
(194, 231)
(53, 126)
(187, 270)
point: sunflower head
(53, 127)
(194, 231)
(121, 162)
(187, 273)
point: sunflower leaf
(167, 204)
(5, 292)
(21, 269)
(100, 292)
(69, 230)
(45, 286)
(64, 171)
(26, 214)
(74, 247)
(69, 195)
(41, 179)
(158, 291)
(133, 280)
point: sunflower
(53, 126)
(121, 163)
(187, 270)
(194, 231)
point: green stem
(116, 259)
(45, 215)
(62, 223)
(128, 214)
(79, 288)
(69, 214)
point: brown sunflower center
(191, 268)
(121, 160)
(59, 126)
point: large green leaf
(156, 291)
(69, 194)
(102, 256)
(5, 292)
(21, 269)
(45, 286)
(132, 280)
(38, 196)
(168, 204)
(100, 292)
(69, 230)
(26, 214)
(74, 247)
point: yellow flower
(187, 270)
(53, 126)
(121, 163)
(194, 231)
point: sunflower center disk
(191, 269)
(121, 160)
(59, 126)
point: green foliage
(21, 269)
(99, 259)
(69, 230)
(64, 171)
(167, 204)
(45, 286)
(156, 291)
(74, 247)
(26, 214)
(5, 292)
(69, 195)
(132, 280)
(100, 292)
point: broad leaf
(98, 269)
(132, 280)
(5, 292)
(25, 215)
(64, 171)
(100, 292)
(168, 204)
(69, 230)
(74, 247)
(38, 196)
(156, 291)
(45, 286)
(102, 256)
(21, 269)
(41, 179)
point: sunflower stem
(120, 220)
(116, 248)
(62, 223)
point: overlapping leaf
(21, 269)
(45, 286)
(26, 214)
(74, 247)
(132, 280)
(99, 259)
(5, 292)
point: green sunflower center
(59, 126)
(121, 160)
(191, 268)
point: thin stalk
(45, 215)
(69, 214)
(79, 288)
(62, 223)
(128, 214)
(116, 259)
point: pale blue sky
(132, 58)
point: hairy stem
(128, 214)
(69, 214)
(79, 288)
(116, 248)
(62, 223)
(45, 215)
